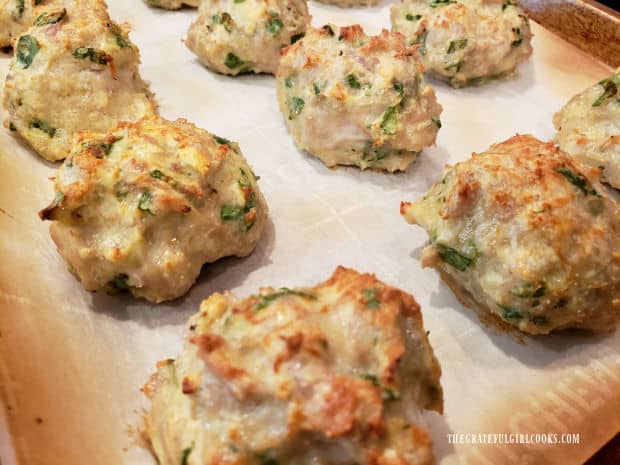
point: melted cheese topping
(331, 374)
(528, 234)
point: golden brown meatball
(331, 374)
(524, 233)
(144, 206)
(351, 99)
(73, 70)
(465, 41)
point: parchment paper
(72, 362)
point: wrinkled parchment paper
(72, 362)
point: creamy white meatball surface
(332, 374)
(173, 4)
(524, 233)
(237, 37)
(588, 128)
(353, 99)
(465, 41)
(142, 207)
(73, 70)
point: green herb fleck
(457, 45)
(386, 393)
(389, 122)
(438, 3)
(232, 61)
(19, 9)
(295, 106)
(611, 87)
(157, 174)
(421, 39)
(267, 299)
(225, 20)
(318, 87)
(510, 313)
(120, 282)
(25, 51)
(528, 290)
(185, 455)
(274, 24)
(288, 82)
(410, 17)
(507, 4)
(371, 297)
(519, 38)
(145, 202)
(437, 122)
(398, 87)
(42, 126)
(50, 17)
(577, 180)
(12, 127)
(228, 212)
(353, 82)
(94, 55)
(456, 67)
(455, 258)
(296, 37)
(540, 320)
(327, 28)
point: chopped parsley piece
(318, 87)
(374, 155)
(245, 179)
(228, 212)
(19, 9)
(353, 82)
(507, 4)
(288, 82)
(50, 17)
(274, 24)
(296, 37)
(157, 174)
(456, 67)
(25, 51)
(611, 87)
(225, 20)
(42, 126)
(437, 122)
(327, 28)
(232, 61)
(371, 297)
(265, 300)
(121, 40)
(438, 3)
(386, 393)
(455, 258)
(457, 45)
(224, 141)
(295, 106)
(185, 455)
(389, 122)
(398, 87)
(519, 38)
(421, 39)
(540, 320)
(120, 282)
(94, 55)
(510, 313)
(145, 202)
(410, 17)
(577, 180)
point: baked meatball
(73, 70)
(15, 17)
(526, 234)
(241, 36)
(173, 4)
(589, 128)
(143, 207)
(351, 99)
(334, 374)
(465, 41)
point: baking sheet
(72, 362)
